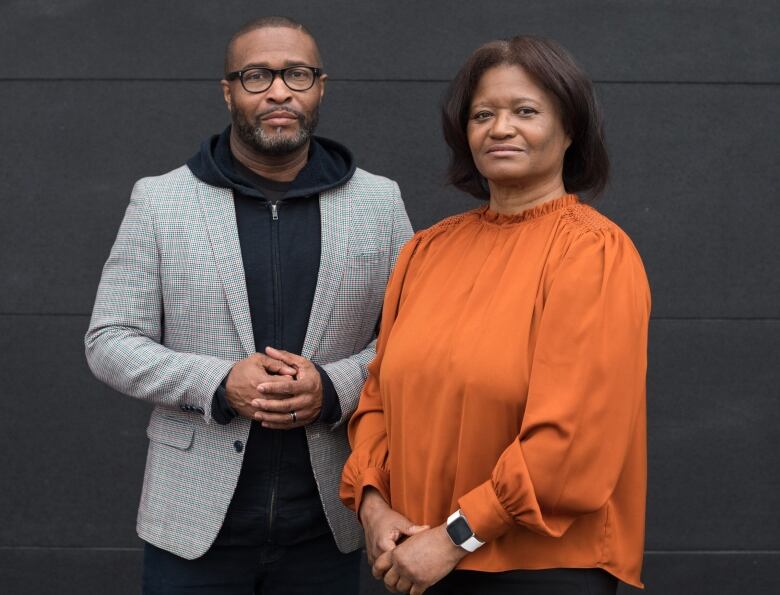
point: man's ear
(323, 78)
(226, 94)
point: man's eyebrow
(286, 63)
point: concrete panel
(73, 450)
(714, 449)
(697, 40)
(61, 571)
(693, 169)
(709, 573)
(56, 571)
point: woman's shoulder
(584, 222)
(584, 218)
(448, 225)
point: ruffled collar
(545, 208)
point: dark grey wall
(97, 94)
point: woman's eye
(526, 111)
(481, 116)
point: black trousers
(555, 581)
(314, 566)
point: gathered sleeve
(586, 393)
(367, 465)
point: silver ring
(293, 417)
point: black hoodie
(276, 499)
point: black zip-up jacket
(276, 499)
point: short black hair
(265, 23)
(585, 163)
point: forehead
(507, 82)
(275, 47)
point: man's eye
(297, 74)
(255, 75)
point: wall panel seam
(365, 80)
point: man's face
(279, 120)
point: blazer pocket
(170, 431)
(366, 260)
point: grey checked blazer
(171, 317)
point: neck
(281, 168)
(512, 199)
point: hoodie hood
(329, 165)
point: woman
(501, 430)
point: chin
(506, 176)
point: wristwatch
(460, 532)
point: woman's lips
(503, 150)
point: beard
(275, 143)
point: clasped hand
(409, 558)
(269, 387)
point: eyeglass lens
(259, 79)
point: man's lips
(279, 118)
(504, 149)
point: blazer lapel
(334, 214)
(220, 217)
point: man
(269, 240)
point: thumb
(414, 529)
(388, 542)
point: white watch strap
(472, 544)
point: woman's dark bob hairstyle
(585, 164)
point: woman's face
(514, 130)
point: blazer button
(183, 407)
(238, 445)
(200, 410)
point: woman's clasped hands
(408, 557)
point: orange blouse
(509, 382)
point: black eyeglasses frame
(239, 74)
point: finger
(391, 579)
(299, 403)
(417, 590)
(284, 420)
(288, 426)
(275, 366)
(403, 585)
(288, 358)
(388, 542)
(280, 388)
(381, 565)
(414, 529)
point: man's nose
(278, 92)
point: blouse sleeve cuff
(484, 513)
(351, 492)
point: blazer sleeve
(123, 340)
(349, 374)
(586, 393)
(367, 465)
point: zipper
(277, 300)
(277, 275)
(272, 510)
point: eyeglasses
(257, 80)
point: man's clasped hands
(281, 390)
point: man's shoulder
(365, 182)
(176, 180)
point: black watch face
(459, 530)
